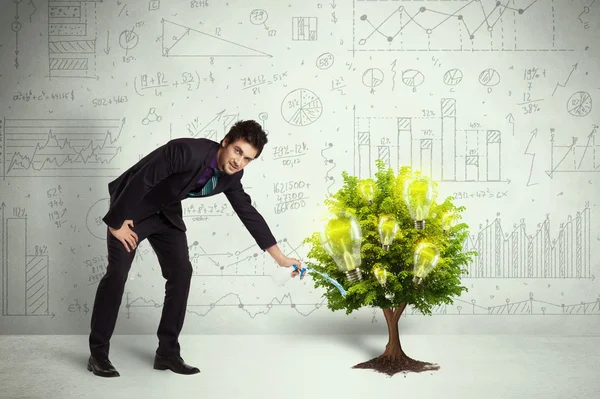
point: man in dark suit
(145, 202)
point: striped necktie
(212, 183)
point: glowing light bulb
(381, 274)
(388, 227)
(426, 258)
(366, 189)
(342, 239)
(418, 196)
(449, 220)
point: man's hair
(250, 131)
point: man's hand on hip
(126, 235)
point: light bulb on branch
(449, 220)
(418, 196)
(366, 189)
(388, 227)
(426, 258)
(342, 239)
(381, 275)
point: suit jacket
(164, 177)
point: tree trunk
(393, 360)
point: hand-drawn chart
(577, 156)
(304, 28)
(481, 25)
(72, 38)
(182, 41)
(25, 277)
(520, 254)
(215, 129)
(61, 147)
(301, 107)
(452, 155)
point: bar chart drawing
(72, 38)
(61, 147)
(434, 145)
(25, 277)
(518, 254)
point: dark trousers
(170, 245)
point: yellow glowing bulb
(426, 258)
(366, 189)
(418, 196)
(388, 227)
(342, 239)
(449, 220)
(380, 274)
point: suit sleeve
(173, 157)
(255, 224)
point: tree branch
(398, 312)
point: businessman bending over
(145, 202)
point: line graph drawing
(183, 41)
(517, 254)
(25, 277)
(445, 153)
(470, 25)
(460, 307)
(574, 157)
(524, 307)
(61, 147)
(72, 39)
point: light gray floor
(303, 367)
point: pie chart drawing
(579, 104)
(301, 107)
(372, 77)
(453, 77)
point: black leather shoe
(102, 367)
(175, 364)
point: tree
(398, 290)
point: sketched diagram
(60, 147)
(482, 25)
(304, 28)
(433, 144)
(301, 107)
(128, 39)
(25, 277)
(576, 156)
(182, 41)
(517, 254)
(71, 39)
(579, 104)
(372, 77)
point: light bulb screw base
(354, 275)
(419, 224)
(417, 280)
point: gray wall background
(497, 99)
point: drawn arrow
(567, 80)
(107, 49)
(533, 135)
(511, 120)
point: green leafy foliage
(438, 287)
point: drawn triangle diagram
(182, 41)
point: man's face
(233, 157)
